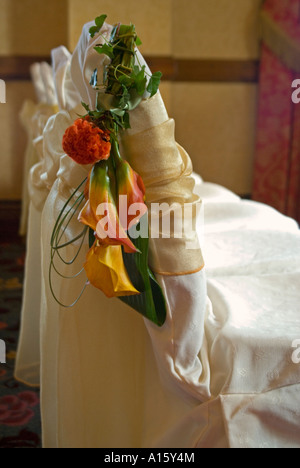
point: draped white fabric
(34, 118)
(219, 373)
(102, 371)
(42, 78)
(51, 86)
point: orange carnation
(85, 143)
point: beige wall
(32, 27)
(13, 140)
(226, 29)
(151, 17)
(27, 27)
(215, 121)
(216, 124)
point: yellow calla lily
(106, 271)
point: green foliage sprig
(125, 80)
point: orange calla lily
(100, 211)
(106, 271)
(130, 184)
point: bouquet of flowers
(110, 203)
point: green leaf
(85, 106)
(151, 302)
(97, 114)
(123, 103)
(154, 83)
(140, 83)
(105, 49)
(100, 20)
(126, 121)
(93, 31)
(126, 80)
(118, 112)
(135, 99)
(138, 42)
(136, 70)
(139, 79)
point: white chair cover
(219, 373)
(55, 87)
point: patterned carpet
(20, 425)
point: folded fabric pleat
(67, 96)
(43, 174)
(34, 118)
(85, 61)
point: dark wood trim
(166, 65)
(225, 71)
(9, 209)
(198, 70)
(10, 213)
(179, 70)
(18, 68)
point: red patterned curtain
(277, 164)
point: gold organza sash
(166, 170)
